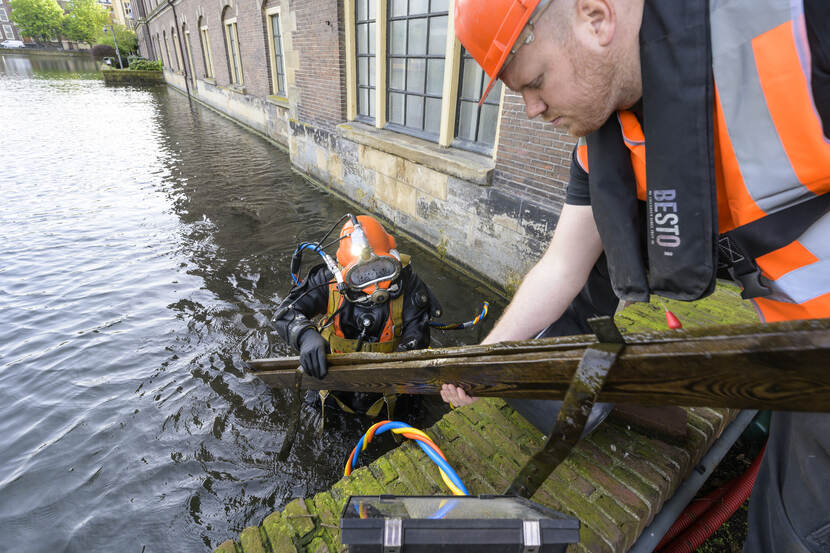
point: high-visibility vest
(389, 337)
(771, 156)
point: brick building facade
(378, 101)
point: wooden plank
(781, 366)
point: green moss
(279, 534)
(441, 247)
(251, 540)
(227, 546)
(383, 470)
(298, 517)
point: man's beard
(595, 78)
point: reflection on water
(46, 66)
(143, 244)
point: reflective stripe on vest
(770, 151)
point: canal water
(144, 242)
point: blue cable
(306, 246)
(437, 459)
(445, 510)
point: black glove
(312, 353)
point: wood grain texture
(781, 366)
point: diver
(369, 299)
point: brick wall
(321, 73)
(533, 158)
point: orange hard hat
(489, 29)
(385, 259)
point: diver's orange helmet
(368, 255)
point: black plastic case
(438, 524)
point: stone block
(383, 163)
(365, 483)
(251, 541)
(424, 179)
(317, 545)
(409, 473)
(226, 546)
(279, 533)
(298, 517)
(322, 160)
(428, 470)
(383, 470)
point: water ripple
(143, 243)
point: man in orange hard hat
(731, 98)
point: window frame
(169, 63)
(9, 32)
(189, 52)
(275, 67)
(397, 127)
(475, 145)
(451, 85)
(207, 57)
(232, 50)
(177, 49)
(371, 89)
(4, 17)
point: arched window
(174, 36)
(169, 62)
(232, 47)
(189, 51)
(276, 50)
(204, 42)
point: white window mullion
(451, 67)
(380, 65)
(351, 61)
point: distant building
(122, 12)
(377, 100)
(8, 30)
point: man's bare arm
(549, 287)
(553, 283)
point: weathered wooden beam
(781, 366)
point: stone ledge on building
(461, 164)
(615, 481)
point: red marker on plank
(671, 319)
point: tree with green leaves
(127, 41)
(38, 19)
(84, 20)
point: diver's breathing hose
(330, 263)
(485, 308)
(448, 475)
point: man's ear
(596, 21)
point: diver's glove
(312, 353)
(301, 334)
